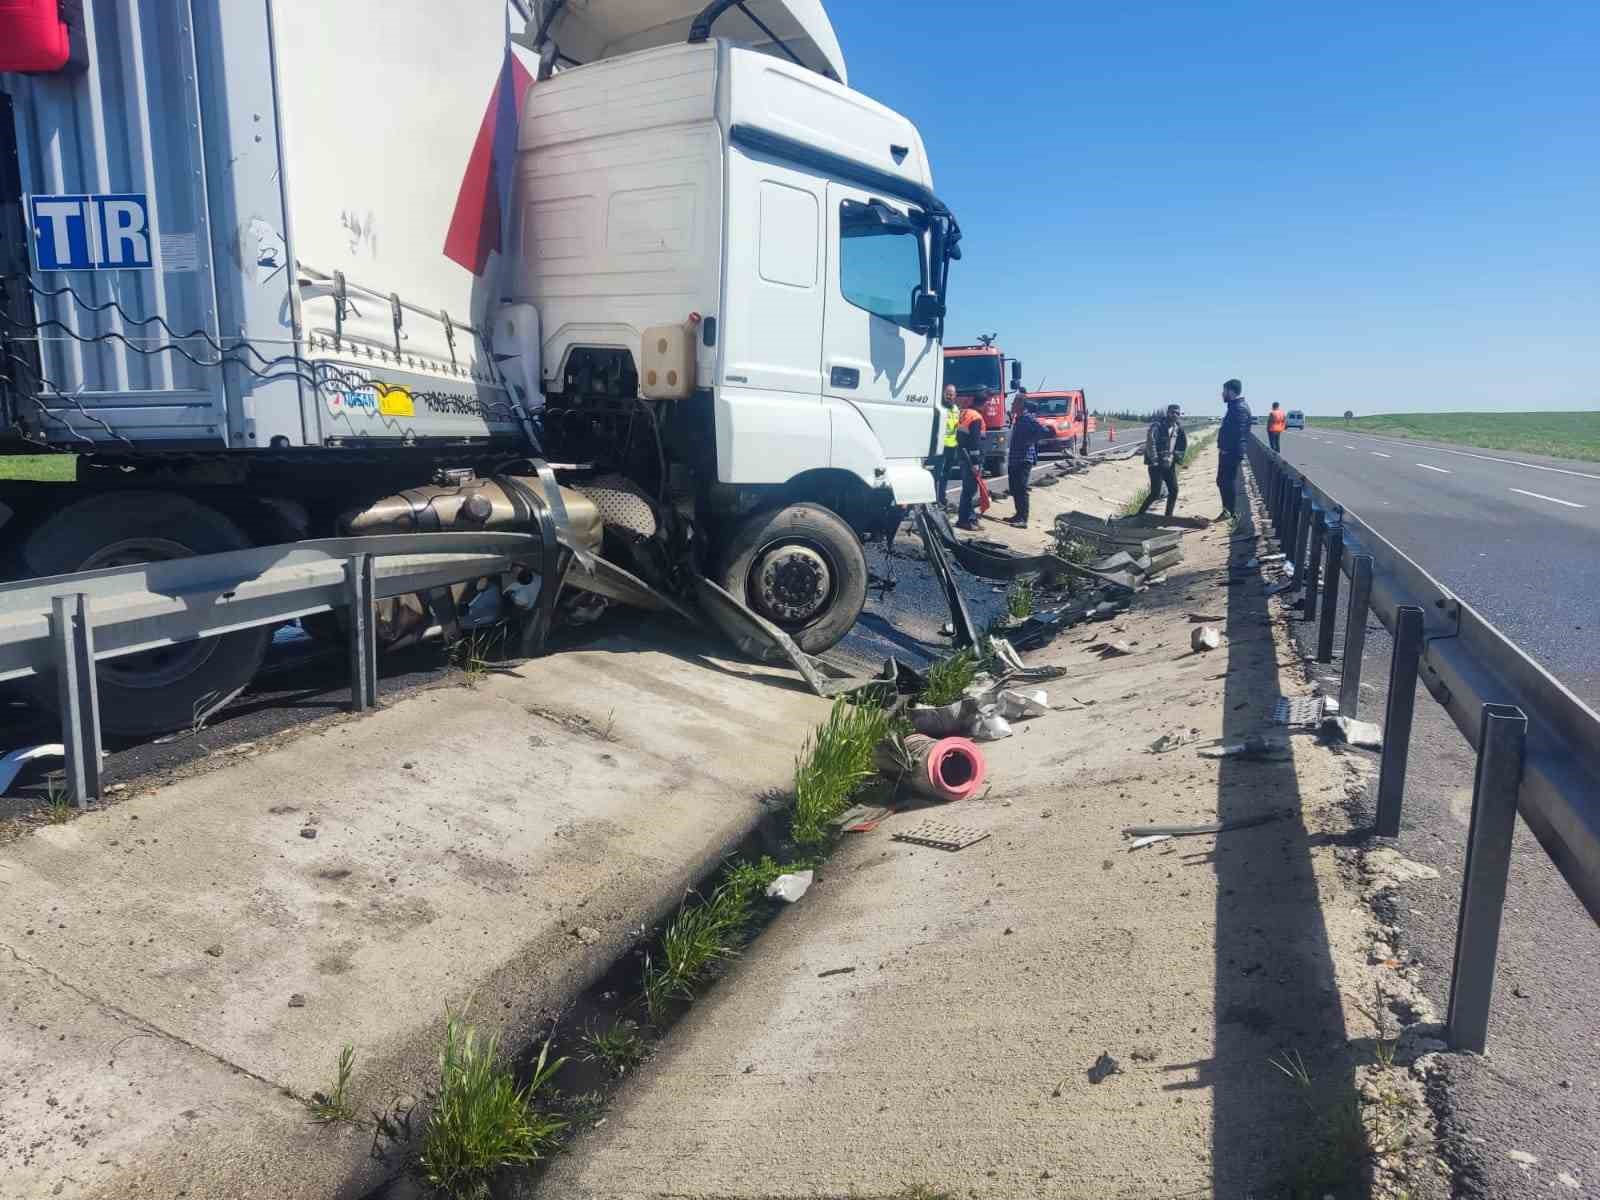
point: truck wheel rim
(791, 583)
(150, 668)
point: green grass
(52, 468)
(1559, 434)
(707, 931)
(620, 1048)
(949, 678)
(334, 1105)
(836, 762)
(481, 1120)
(1019, 600)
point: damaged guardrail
(66, 623)
(1538, 745)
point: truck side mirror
(1016, 373)
(927, 309)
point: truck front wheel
(801, 568)
(155, 690)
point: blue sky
(1388, 207)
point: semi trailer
(276, 270)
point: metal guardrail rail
(64, 624)
(1538, 745)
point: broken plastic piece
(1014, 705)
(991, 727)
(1151, 840)
(1253, 747)
(1352, 732)
(1104, 1068)
(941, 835)
(11, 764)
(789, 887)
(1206, 637)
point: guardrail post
(1503, 733)
(1291, 517)
(80, 696)
(1275, 501)
(1397, 716)
(360, 580)
(1330, 594)
(1302, 537)
(1355, 635)
(1319, 530)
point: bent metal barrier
(1538, 745)
(64, 624)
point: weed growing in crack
(836, 760)
(481, 1120)
(475, 652)
(1019, 600)
(334, 1105)
(1294, 1066)
(1337, 1138)
(58, 807)
(620, 1048)
(949, 678)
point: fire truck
(984, 367)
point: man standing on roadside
(1277, 422)
(947, 460)
(1026, 433)
(1231, 441)
(969, 457)
(1165, 444)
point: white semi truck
(276, 269)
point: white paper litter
(789, 887)
(1151, 840)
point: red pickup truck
(1066, 415)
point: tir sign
(92, 233)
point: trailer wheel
(156, 690)
(801, 568)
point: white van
(1296, 419)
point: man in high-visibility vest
(969, 448)
(1277, 422)
(947, 461)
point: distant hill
(1558, 434)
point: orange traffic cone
(1112, 435)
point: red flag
(475, 226)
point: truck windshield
(1054, 407)
(971, 373)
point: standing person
(1231, 441)
(1027, 431)
(1277, 422)
(1165, 444)
(969, 456)
(947, 460)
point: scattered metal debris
(1206, 637)
(1299, 710)
(1150, 840)
(836, 971)
(942, 835)
(1253, 747)
(1150, 831)
(11, 764)
(861, 818)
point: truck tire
(800, 567)
(157, 690)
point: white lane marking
(1441, 470)
(1510, 462)
(1381, 454)
(1552, 499)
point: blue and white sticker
(109, 232)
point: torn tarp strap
(553, 564)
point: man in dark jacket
(1231, 441)
(1027, 431)
(1165, 444)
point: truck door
(872, 361)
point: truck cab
(675, 254)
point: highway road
(1517, 537)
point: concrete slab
(181, 969)
(927, 1018)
